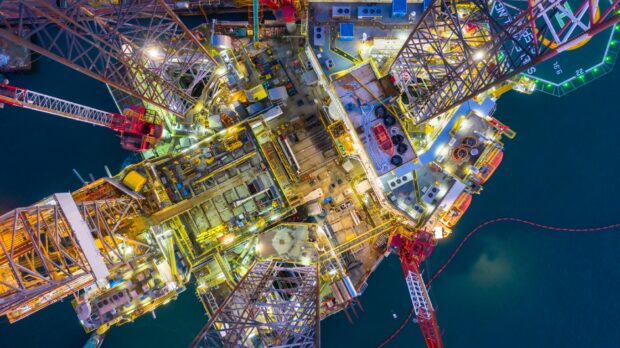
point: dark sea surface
(511, 286)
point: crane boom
(139, 129)
(412, 253)
(28, 99)
(424, 311)
(417, 292)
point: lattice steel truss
(41, 259)
(138, 47)
(424, 312)
(56, 106)
(461, 48)
(276, 304)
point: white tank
(222, 41)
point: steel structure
(46, 253)
(140, 48)
(412, 253)
(424, 311)
(140, 129)
(37, 101)
(276, 304)
(461, 48)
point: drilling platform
(283, 157)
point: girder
(417, 292)
(412, 253)
(56, 106)
(424, 312)
(140, 48)
(276, 304)
(42, 258)
(459, 49)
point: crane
(139, 128)
(412, 252)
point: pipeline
(478, 228)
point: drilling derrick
(276, 304)
(63, 244)
(139, 48)
(459, 49)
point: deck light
(154, 52)
(479, 55)
(220, 71)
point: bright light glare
(479, 55)
(154, 52)
(228, 239)
(402, 35)
(128, 250)
(220, 71)
(438, 232)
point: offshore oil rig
(283, 157)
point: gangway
(139, 128)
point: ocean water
(511, 286)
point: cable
(522, 221)
(471, 233)
(400, 328)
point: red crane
(412, 252)
(139, 128)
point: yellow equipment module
(134, 181)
